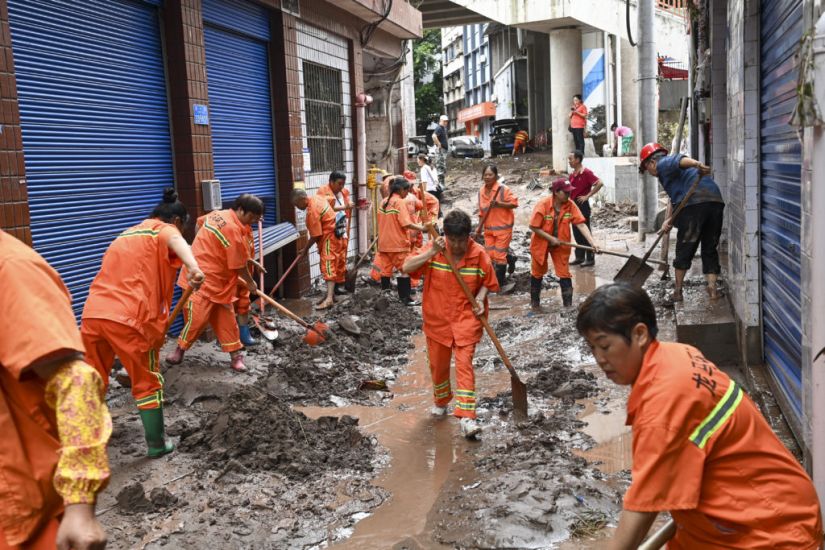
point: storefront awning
(480, 110)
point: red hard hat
(648, 151)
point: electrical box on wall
(212, 195)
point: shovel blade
(349, 282)
(634, 272)
(519, 398)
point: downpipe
(361, 102)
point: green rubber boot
(155, 436)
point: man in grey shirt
(441, 148)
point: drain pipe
(361, 102)
(814, 247)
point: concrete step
(707, 325)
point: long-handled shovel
(352, 274)
(286, 273)
(610, 252)
(317, 333)
(660, 537)
(635, 271)
(519, 388)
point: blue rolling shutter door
(781, 160)
(95, 125)
(236, 35)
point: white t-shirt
(429, 176)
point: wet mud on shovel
(316, 333)
(349, 282)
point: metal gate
(236, 35)
(95, 125)
(781, 160)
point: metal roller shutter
(236, 35)
(95, 125)
(781, 160)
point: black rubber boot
(535, 293)
(385, 283)
(580, 255)
(405, 291)
(511, 262)
(589, 259)
(566, 292)
(501, 273)
(340, 290)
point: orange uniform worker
(450, 322)
(128, 307)
(520, 143)
(701, 449)
(394, 246)
(498, 228)
(320, 222)
(339, 198)
(53, 418)
(222, 250)
(551, 224)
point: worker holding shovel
(551, 223)
(55, 424)
(700, 222)
(127, 311)
(339, 199)
(498, 223)
(701, 449)
(451, 324)
(222, 251)
(320, 222)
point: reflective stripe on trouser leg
(496, 243)
(155, 399)
(223, 322)
(465, 381)
(326, 250)
(341, 260)
(438, 358)
(191, 329)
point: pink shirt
(623, 131)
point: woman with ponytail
(129, 303)
(394, 224)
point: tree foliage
(428, 77)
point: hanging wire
(369, 29)
(627, 20)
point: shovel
(316, 334)
(349, 283)
(635, 271)
(284, 276)
(660, 537)
(178, 307)
(265, 328)
(519, 388)
(610, 252)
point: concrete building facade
(261, 95)
(452, 47)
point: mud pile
(254, 431)
(613, 215)
(337, 368)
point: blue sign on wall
(201, 114)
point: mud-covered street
(308, 450)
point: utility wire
(627, 20)
(369, 30)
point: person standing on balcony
(578, 121)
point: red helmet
(648, 151)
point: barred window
(324, 116)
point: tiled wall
(741, 188)
(14, 207)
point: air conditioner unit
(212, 195)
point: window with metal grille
(324, 116)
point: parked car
(503, 136)
(418, 144)
(466, 147)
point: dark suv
(503, 135)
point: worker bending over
(128, 308)
(520, 142)
(55, 424)
(498, 226)
(320, 222)
(701, 449)
(394, 246)
(222, 251)
(451, 323)
(339, 199)
(550, 223)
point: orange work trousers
(561, 262)
(519, 145)
(200, 311)
(44, 539)
(387, 262)
(496, 243)
(243, 303)
(439, 357)
(329, 250)
(105, 339)
(341, 260)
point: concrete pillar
(629, 107)
(566, 68)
